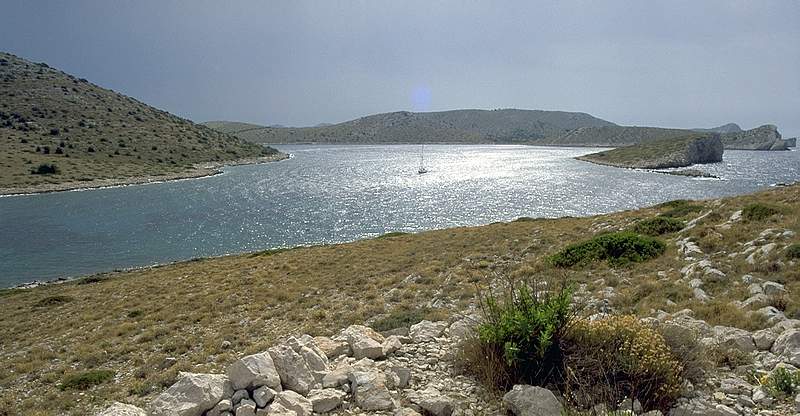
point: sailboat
(422, 161)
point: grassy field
(71, 348)
(80, 132)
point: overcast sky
(672, 63)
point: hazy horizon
(676, 64)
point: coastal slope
(665, 153)
(58, 131)
(456, 126)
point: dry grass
(131, 322)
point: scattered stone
(369, 390)
(122, 409)
(405, 411)
(432, 401)
(364, 342)
(292, 369)
(734, 338)
(391, 345)
(254, 371)
(400, 376)
(787, 346)
(325, 400)
(263, 395)
(239, 395)
(773, 288)
(426, 331)
(764, 339)
(337, 377)
(331, 348)
(525, 400)
(191, 395)
(245, 408)
(276, 409)
(295, 402)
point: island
(665, 153)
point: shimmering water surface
(327, 194)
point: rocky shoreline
(199, 171)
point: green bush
(401, 317)
(86, 379)
(658, 226)
(782, 382)
(617, 248)
(45, 169)
(53, 301)
(758, 212)
(793, 251)
(679, 208)
(519, 339)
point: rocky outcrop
(524, 400)
(669, 153)
(765, 137)
(791, 142)
(192, 395)
(122, 409)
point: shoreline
(201, 170)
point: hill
(765, 137)
(59, 132)
(456, 126)
(725, 128)
(664, 153)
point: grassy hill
(664, 153)
(144, 326)
(70, 131)
(457, 126)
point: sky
(299, 63)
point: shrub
(618, 248)
(86, 379)
(658, 226)
(782, 382)
(793, 251)
(401, 317)
(519, 340)
(45, 169)
(618, 357)
(679, 208)
(53, 301)
(392, 234)
(758, 212)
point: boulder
(239, 395)
(432, 401)
(122, 409)
(764, 339)
(295, 402)
(399, 377)
(245, 408)
(337, 377)
(405, 411)
(292, 369)
(787, 346)
(225, 406)
(331, 348)
(325, 400)
(191, 395)
(276, 409)
(734, 338)
(254, 371)
(797, 403)
(426, 331)
(364, 341)
(263, 395)
(391, 345)
(773, 289)
(369, 390)
(525, 400)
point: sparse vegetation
(86, 379)
(758, 212)
(53, 301)
(403, 317)
(617, 248)
(679, 208)
(658, 225)
(45, 169)
(782, 382)
(793, 251)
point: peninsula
(60, 132)
(664, 153)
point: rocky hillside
(725, 128)
(56, 128)
(727, 272)
(457, 126)
(664, 153)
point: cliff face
(792, 142)
(667, 153)
(765, 137)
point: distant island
(60, 132)
(677, 152)
(502, 126)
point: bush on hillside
(86, 379)
(618, 357)
(401, 317)
(793, 251)
(45, 169)
(617, 248)
(519, 340)
(758, 212)
(658, 226)
(782, 382)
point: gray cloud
(671, 63)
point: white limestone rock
(122, 409)
(332, 348)
(364, 341)
(325, 400)
(787, 346)
(191, 395)
(369, 390)
(426, 331)
(254, 371)
(295, 402)
(246, 407)
(525, 400)
(432, 402)
(734, 338)
(292, 369)
(263, 396)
